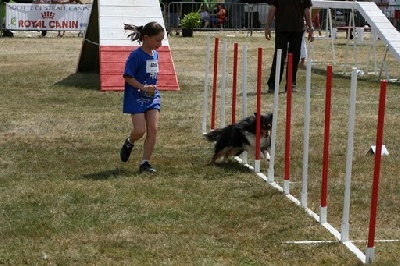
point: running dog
(234, 139)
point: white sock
(130, 142)
(144, 161)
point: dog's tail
(213, 135)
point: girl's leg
(152, 118)
(139, 127)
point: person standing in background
(383, 5)
(217, 19)
(316, 21)
(62, 33)
(4, 31)
(289, 27)
(44, 32)
(396, 15)
(205, 17)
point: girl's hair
(150, 29)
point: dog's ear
(244, 122)
(269, 116)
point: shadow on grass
(233, 166)
(108, 174)
(264, 92)
(88, 81)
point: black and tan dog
(234, 139)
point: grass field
(66, 199)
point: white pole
(206, 82)
(350, 31)
(223, 87)
(349, 158)
(244, 81)
(312, 57)
(333, 36)
(271, 174)
(257, 166)
(327, 22)
(367, 67)
(374, 38)
(354, 40)
(244, 92)
(370, 255)
(307, 118)
(323, 215)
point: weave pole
(206, 81)
(244, 81)
(258, 118)
(325, 163)
(345, 228)
(288, 121)
(223, 85)
(215, 78)
(370, 252)
(234, 81)
(244, 93)
(271, 171)
(306, 142)
(342, 236)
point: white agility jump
(341, 235)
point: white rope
(89, 41)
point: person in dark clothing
(44, 32)
(4, 31)
(289, 28)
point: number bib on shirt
(152, 66)
(152, 69)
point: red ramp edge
(112, 65)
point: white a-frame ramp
(382, 26)
(106, 46)
(374, 17)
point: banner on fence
(69, 17)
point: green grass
(66, 199)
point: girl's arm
(143, 87)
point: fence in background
(253, 16)
(239, 15)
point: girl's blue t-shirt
(144, 68)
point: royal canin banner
(68, 17)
